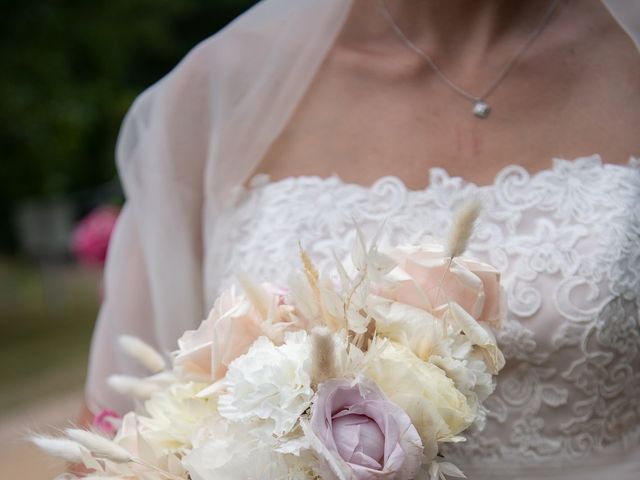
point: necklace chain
(481, 109)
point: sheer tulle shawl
(185, 145)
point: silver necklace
(480, 107)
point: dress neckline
(260, 180)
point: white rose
(174, 415)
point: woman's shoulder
(169, 125)
(218, 69)
(244, 78)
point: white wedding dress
(567, 241)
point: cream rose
(474, 285)
(469, 356)
(437, 409)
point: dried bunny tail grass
(99, 445)
(60, 447)
(107, 449)
(462, 227)
(323, 356)
(132, 386)
(143, 353)
(256, 294)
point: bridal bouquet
(361, 376)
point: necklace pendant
(481, 109)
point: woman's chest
(364, 119)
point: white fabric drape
(185, 144)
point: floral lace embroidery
(567, 241)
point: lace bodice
(567, 241)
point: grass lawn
(46, 319)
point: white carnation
(470, 377)
(465, 365)
(269, 383)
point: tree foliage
(70, 69)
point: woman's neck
(445, 27)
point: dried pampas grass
(310, 270)
(313, 278)
(312, 275)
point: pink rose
(363, 435)
(474, 285)
(232, 326)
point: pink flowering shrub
(91, 236)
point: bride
(300, 117)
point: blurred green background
(70, 69)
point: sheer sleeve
(153, 277)
(127, 309)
